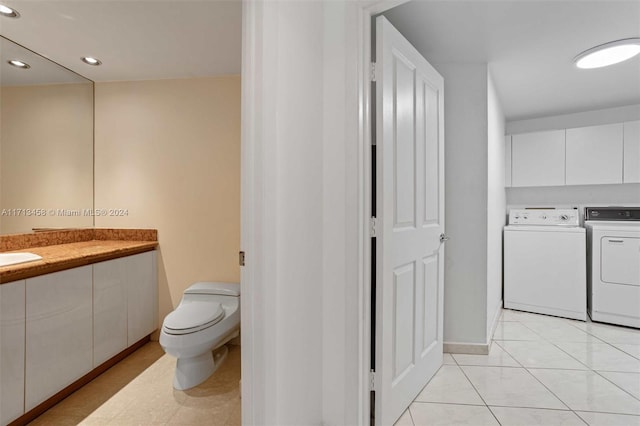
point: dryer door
(620, 262)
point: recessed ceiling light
(19, 64)
(8, 12)
(608, 53)
(91, 61)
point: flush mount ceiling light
(91, 61)
(608, 53)
(8, 12)
(19, 64)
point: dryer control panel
(544, 217)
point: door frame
(255, 181)
(365, 131)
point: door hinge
(373, 227)
(372, 71)
(372, 380)
(241, 258)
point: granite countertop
(58, 257)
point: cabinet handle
(616, 241)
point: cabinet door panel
(109, 310)
(59, 343)
(594, 155)
(631, 152)
(507, 161)
(537, 159)
(12, 317)
(142, 295)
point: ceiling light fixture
(91, 61)
(608, 53)
(8, 12)
(19, 64)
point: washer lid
(192, 317)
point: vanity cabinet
(55, 329)
(125, 303)
(12, 319)
(595, 155)
(142, 295)
(59, 332)
(109, 310)
(538, 159)
(631, 152)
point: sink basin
(7, 259)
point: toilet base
(191, 372)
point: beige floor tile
(630, 382)
(511, 387)
(235, 419)
(427, 414)
(139, 391)
(450, 385)
(447, 359)
(510, 416)
(601, 356)
(514, 331)
(405, 419)
(540, 355)
(606, 419)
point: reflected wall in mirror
(46, 144)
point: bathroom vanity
(68, 317)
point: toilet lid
(193, 317)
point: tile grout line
(478, 392)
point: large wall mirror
(46, 144)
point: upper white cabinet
(59, 332)
(631, 152)
(538, 159)
(12, 315)
(594, 155)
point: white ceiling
(135, 39)
(529, 46)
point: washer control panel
(550, 217)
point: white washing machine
(614, 264)
(545, 262)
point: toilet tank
(214, 288)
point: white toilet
(207, 317)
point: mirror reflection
(46, 143)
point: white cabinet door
(109, 310)
(631, 152)
(507, 161)
(59, 343)
(12, 317)
(594, 155)
(142, 295)
(538, 159)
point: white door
(410, 215)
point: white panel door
(594, 155)
(12, 316)
(142, 295)
(538, 158)
(410, 209)
(631, 152)
(109, 309)
(59, 330)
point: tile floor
(139, 391)
(541, 370)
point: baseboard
(467, 348)
(494, 323)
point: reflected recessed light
(91, 61)
(608, 53)
(19, 64)
(8, 12)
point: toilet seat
(193, 317)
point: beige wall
(168, 151)
(47, 155)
